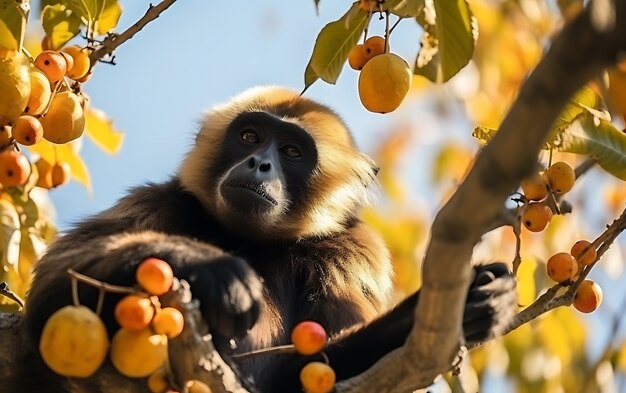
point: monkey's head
(271, 163)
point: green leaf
(452, 36)
(310, 77)
(9, 236)
(99, 128)
(109, 17)
(13, 17)
(60, 24)
(598, 139)
(334, 42)
(406, 8)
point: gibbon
(262, 220)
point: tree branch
(580, 52)
(112, 41)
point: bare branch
(114, 40)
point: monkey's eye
(250, 135)
(291, 151)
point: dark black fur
(318, 277)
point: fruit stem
(99, 284)
(395, 24)
(387, 31)
(100, 301)
(75, 298)
(5, 291)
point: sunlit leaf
(484, 134)
(310, 76)
(13, 17)
(584, 100)
(334, 42)
(405, 8)
(526, 288)
(109, 17)
(451, 162)
(449, 43)
(9, 236)
(100, 130)
(68, 153)
(60, 24)
(598, 139)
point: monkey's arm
(110, 246)
(490, 303)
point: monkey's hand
(491, 302)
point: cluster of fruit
(75, 343)
(567, 266)
(37, 103)
(309, 338)
(385, 78)
(558, 179)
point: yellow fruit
(6, 135)
(536, 216)
(65, 120)
(384, 82)
(317, 377)
(138, 353)
(356, 58)
(155, 276)
(14, 168)
(81, 64)
(157, 381)
(562, 267)
(60, 173)
(561, 177)
(373, 46)
(14, 87)
(45, 174)
(134, 312)
(168, 321)
(535, 188)
(195, 386)
(588, 296)
(74, 342)
(40, 93)
(577, 252)
(53, 64)
(27, 130)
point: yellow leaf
(109, 18)
(67, 152)
(100, 130)
(526, 289)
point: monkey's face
(272, 164)
(262, 167)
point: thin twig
(99, 284)
(5, 291)
(113, 41)
(281, 349)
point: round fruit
(373, 46)
(168, 321)
(74, 342)
(157, 381)
(6, 135)
(52, 64)
(562, 267)
(588, 296)
(155, 276)
(317, 377)
(44, 169)
(65, 120)
(15, 87)
(308, 337)
(536, 216)
(561, 177)
(81, 62)
(535, 188)
(138, 353)
(40, 93)
(134, 312)
(588, 257)
(60, 173)
(14, 168)
(384, 82)
(27, 130)
(69, 61)
(195, 386)
(356, 57)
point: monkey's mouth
(235, 186)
